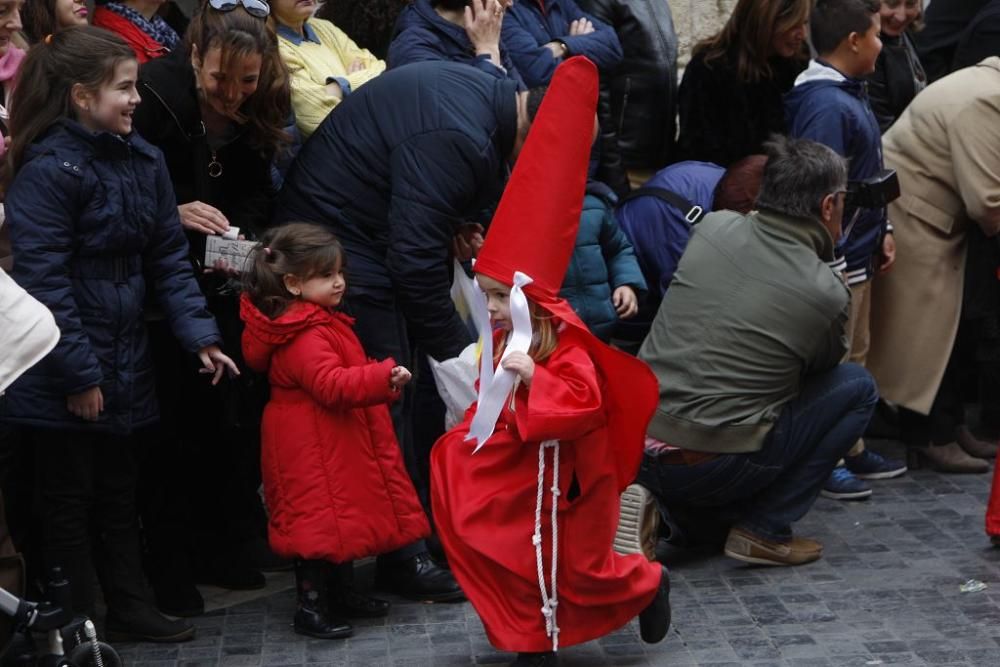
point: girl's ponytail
(82, 55)
(300, 249)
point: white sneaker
(638, 523)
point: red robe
(993, 508)
(484, 507)
(334, 479)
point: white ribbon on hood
(495, 387)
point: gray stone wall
(697, 19)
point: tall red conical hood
(535, 225)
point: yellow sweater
(311, 64)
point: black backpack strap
(692, 213)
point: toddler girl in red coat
(334, 479)
(526, 489)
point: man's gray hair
(799, 173)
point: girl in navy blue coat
(94, 226)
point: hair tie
(267, 251)
(48, 38)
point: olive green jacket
(752, 310)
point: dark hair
(450, 4)
(38, 18)
(535, 97)
(300, 248)
(82, 55)
(238, 34)
(832, 21)
(370, 23)
(749, 33)
(798, 175)
(739, 186)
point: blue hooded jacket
(833, 109)
(421, 34)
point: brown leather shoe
(750, 548)
(949, 458)
(973, 446)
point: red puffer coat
(334, 479)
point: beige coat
(946, 149)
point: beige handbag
(27, 331)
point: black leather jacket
(643, 89)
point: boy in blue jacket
(829, 104)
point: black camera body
(874, 192)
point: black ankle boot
(654, 620)
(142, 623)
(346, 600)
(312, 618)
(418, 578)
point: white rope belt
(549, 602)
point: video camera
(874, 192)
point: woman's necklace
(214, 166)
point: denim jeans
(764, 492)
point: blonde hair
(545, 335)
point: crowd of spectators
(730, 238)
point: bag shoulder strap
(692, 213)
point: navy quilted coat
(93, 222)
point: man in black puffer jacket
(642, 90)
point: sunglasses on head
(257, 8)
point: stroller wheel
(85, 655)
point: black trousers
(85, 488)
(200, 468)
(418, 416)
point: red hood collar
(263, 335)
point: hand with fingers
(201, 217)
(399, 377)
(522, 364)
(483, 19)
(625, 301)
(215, 362)
(581, 26)
(468, 241)
(87, 405)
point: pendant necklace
(214, 167)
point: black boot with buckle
(312, 617)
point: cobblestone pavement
(885, 593)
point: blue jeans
(764, 492)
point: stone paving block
(885, 593)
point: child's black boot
(312, 618)
(654, 620)
(348, 601)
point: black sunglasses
(257, 8)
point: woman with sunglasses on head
(138, 23)
(730, 99)
(219, 108)
(325, 64)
